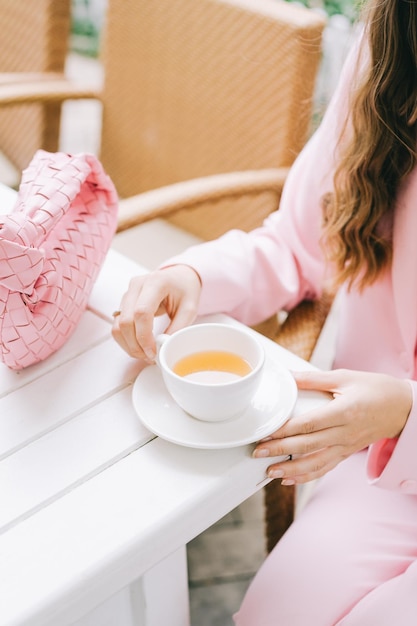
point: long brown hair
(381, 149)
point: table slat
(135, 513)
(91, 329)
(45, 403)
(84, 547)
(64, 458)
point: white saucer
(270, 408)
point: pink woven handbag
(52, 246)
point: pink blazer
(251, 276)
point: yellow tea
(212, 366)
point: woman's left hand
(366, 407)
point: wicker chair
(206, 104)
(211, 86)
(191, 88)
(34, 41)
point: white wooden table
(95, 511)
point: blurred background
(88, 17)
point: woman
(348, 215)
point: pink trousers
(349, 559)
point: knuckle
(190, 308)
(124, 323)
(309, 446)
(142, 310)
(351, 411)
(308, 427)
(135, 282)
(276, 449)
(318, 468)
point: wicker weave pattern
(279, 501)
(300, 331)
(34, 39)
(210, 86)
(51, 249)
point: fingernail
(275, 473)
(287, 481)
(260, 453)
(150, 354)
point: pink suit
(350, 557)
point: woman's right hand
(174, 290)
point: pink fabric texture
(347, 560)
(52, 246)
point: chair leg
(279, 505)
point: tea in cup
(211, 370)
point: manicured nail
(275, 473)
(287, 482)
(150, 354)
(260, 453)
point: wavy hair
(380, 148)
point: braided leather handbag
(52, 246)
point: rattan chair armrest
(301, 329)
(165, 201)
(8, 78)
(48, 87)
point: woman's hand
(366, 407)
(174, 290)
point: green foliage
(85, 35)
(348, 8)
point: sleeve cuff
(392, 463)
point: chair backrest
(34, 38)
(198, 87)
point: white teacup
(211, 370)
